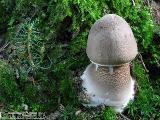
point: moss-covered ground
(42, 51)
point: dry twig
(3, 47)
(140, 56)
(133, 3)
(126, 118)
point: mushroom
(111, 47)
(111, 42)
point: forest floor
(148, 91)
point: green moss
(68, 97)
(146, 103)
(48, 40)
(9, 92)
(2, 19)
(6, 7)
(109, 114)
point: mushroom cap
(111, 41)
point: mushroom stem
(100, 87)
